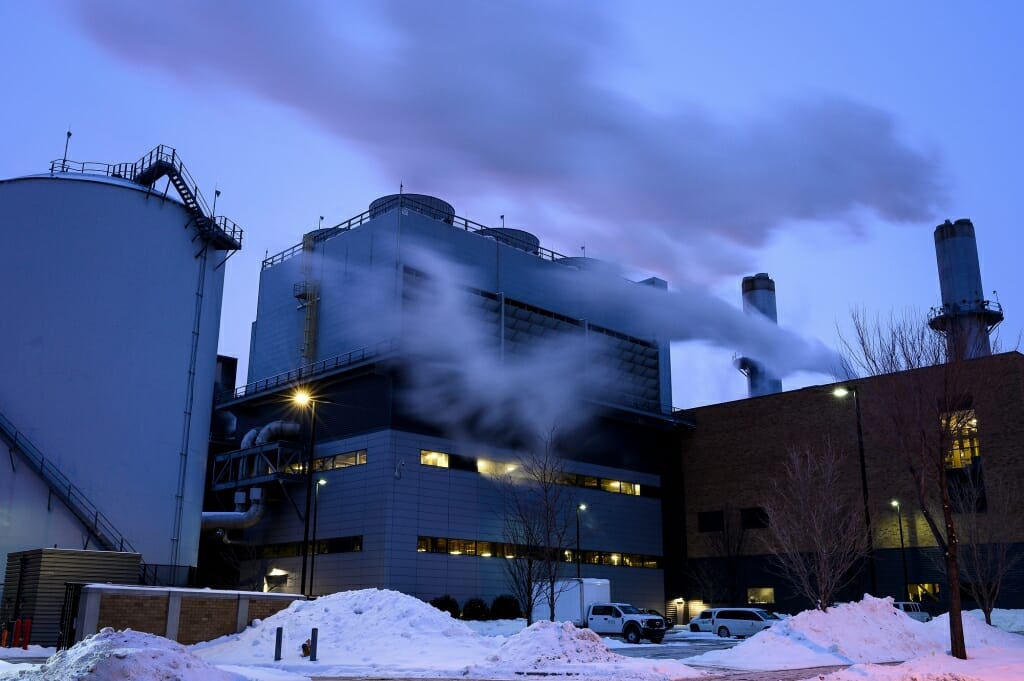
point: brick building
(736, 449)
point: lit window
(764, 595)
(329, 463)
(610, 485)
(488, 467)
(962, 428)
(923, 593)
(432, 458)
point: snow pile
(369, 628)
(553, 642)
(1007, 620)
(125, 655)
(869, 631)
(561, 648)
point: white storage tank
(112, 301)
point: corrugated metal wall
(35, 580)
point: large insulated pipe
(965, 318)
(759, 298)
(236, 520)
(277, 430)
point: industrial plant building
(414, 330)
(112, 301)
(433, 356)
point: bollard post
(277, 644)
(16, 641)
(312, 645)
(27, 634)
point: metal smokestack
(965, 318)
(759, 298)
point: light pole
(316, 514)
(903, 549)
(843, 391)
(579, 509)
(302, 398)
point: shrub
(447, 604)
(505, 607)
(475, 609)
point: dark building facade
(735, 449)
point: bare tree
(537, 515)
(986, 558)
(918, 395)
(815, 533)
(727, 546)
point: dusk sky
(698, 141)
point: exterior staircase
(163, 161)
(100, 528)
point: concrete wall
(184, 615)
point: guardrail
(90, 516)
(308, 371)
(457, 222)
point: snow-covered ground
(384, 634)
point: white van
(741, 622)
(913, 610)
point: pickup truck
(622, 619)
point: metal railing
(457, 222)
(308, 371)
(87, 513)
(163, 160)
(987, 307)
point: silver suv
(912, 610)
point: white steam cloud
(468, 98)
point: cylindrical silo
(112, 309)
(759, 298)
(966, 317)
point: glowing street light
(579, 509)
(302, 398)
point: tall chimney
(965, 318)
(759, 298)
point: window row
(458, 462)
(488, 549)
(753, 518)
(319, 547)
(330, 463)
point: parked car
(741, 622)
(668, 623)
(702, 622)
(913, 610)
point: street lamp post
(579, 509)
(903, 549)
(843, 391)
(316, 514)
(303, 398)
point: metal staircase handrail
(166, 160)
(87, 513)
